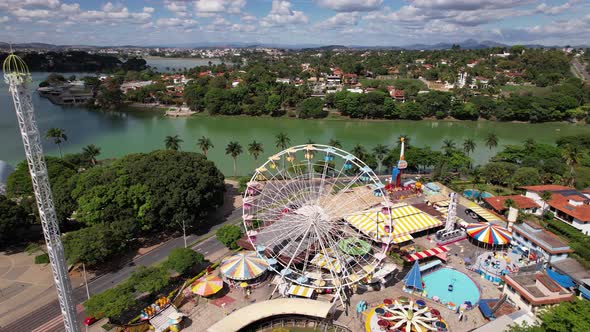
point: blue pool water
(437, 283)
(472, 194)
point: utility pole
(17, 76)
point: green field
(535, 90)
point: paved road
(580, 69)
(48, 318)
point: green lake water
(120, 133)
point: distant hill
(466, 44)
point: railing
(301, 322)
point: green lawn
(535, 90)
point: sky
(292, 22)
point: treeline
(108, 206)
(563, 102)
(77, 61)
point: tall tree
(380, 152)
(282, 141)
(359, 151)
(255, 149)
(234, 149)
(58, 135)
(205, 144)
(529, 144)
(448, 146)
(545, 197)
(491, 140)
(335, 143)
(469, 146)
(572, 154)
(173, 142)
(91, 152)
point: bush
(149, 279)
(228, 235)
(42, 259)
(110, 303)
(182, 259)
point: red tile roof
(521, 202)
(561, 203)
(546, 187)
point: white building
(534, 239)
(533, 291)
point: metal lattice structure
(296, 213)
(17, 76)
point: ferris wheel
(318, 215)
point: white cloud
(4, 19)
(281, 14)
(175, 22)
(219, 6)
(469, 4)
(70, 8)
(41, 3)
(350, 5)
(177, 7)
(32, 13)
(340, 21)
(555, 10)
(243, 28)
(248, 18)
(149, 10)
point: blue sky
(347, 22)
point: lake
(120, 133)
(167, 64)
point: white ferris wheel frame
(272, 172)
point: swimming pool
(472, 194)
(464, 289)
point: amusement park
(329, 245)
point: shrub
(182, 259)
(42, 259)
(228, 235)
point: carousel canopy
(243, 266)
(354, 246)
(413, 278)
(207, 285)
(489, 233)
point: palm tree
(572, 156)
(310, 141)
(335, 143)
(234, 149)
(380, 152)
(282, 141)
(509, 203)
(58, 135)
(491, 140)
(359, 151)
(91, 152)
(545, 197)
(173, 142)
(205, 145)
(448, 146)
(468, 146)
(255, 149)
(406, 141)
(529, 144)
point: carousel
(404, 314)
(244, 268)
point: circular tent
(243, 266)
(207, 285)
(489, 233)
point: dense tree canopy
(228, 235)
(183, 259)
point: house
(350, 79)
(235, 83)
(427, 66)
(333, 80)
(134, 85)
(397, 94)
(481, 82)
(523, 203)
(568, 272)
(504, 54)
(420, 61)
(337, 72)
(538, 242)
(355, 90)
(472, 63)
(567, 204)
(533, 291)
(283, 80)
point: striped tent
(244, 265)
(300, 291)
(207, 285)
(485, 214)
(406, 220)
(427, 253)
(326, 262)
(489, 233)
